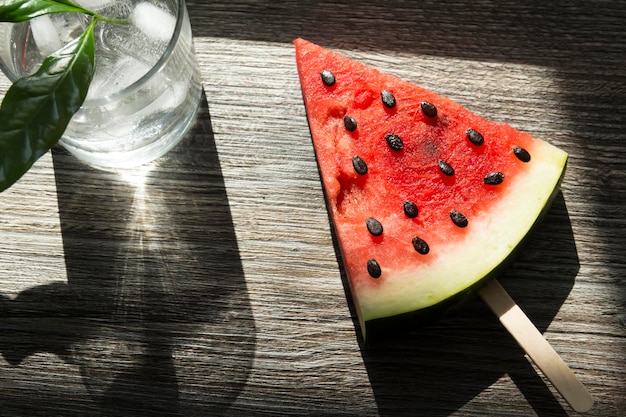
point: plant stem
(110, 20)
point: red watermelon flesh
(473, 189)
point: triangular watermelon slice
(428, 200)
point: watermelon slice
(428, 200)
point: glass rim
(155, 68)
(160, 63)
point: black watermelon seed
(458, 218)
(349, 122)
(429, 109)
(374, 226)
(521, 153)
(420, 245)
(388, 99)
(494, 178)
(475, 137)
(373, 268)
(410, 209)
(394, 141)
(359, 165)
(328, 78)
(445, 167)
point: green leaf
(37, 109)
(22, 10)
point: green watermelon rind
(412, 320)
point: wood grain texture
(216, 289)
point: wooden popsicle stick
(536, 346)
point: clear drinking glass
(146, 89)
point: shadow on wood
(512, 31)
(155, 293)
(438, 368)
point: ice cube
(177, 96)
(112, 78)
(153, 21)
(45, 35)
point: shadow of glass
(155, 312)
(440, 367)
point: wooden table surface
(210, 284)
